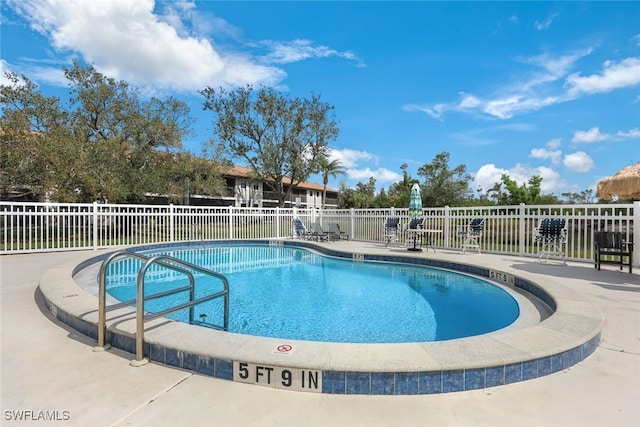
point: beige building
(242, 190)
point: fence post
(447, 227)
(231, 222)
(521, 228)
(636, 234)
(278, 222)
(352, 223)
(95, 225)
(171, 223)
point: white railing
(40, 227)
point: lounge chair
(299, 230)
(318, 233)
(612, 245)
(551, 233)
(391, 227)
(471, 234)
(335, 233)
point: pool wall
(565, 338)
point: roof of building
(240, 171)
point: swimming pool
(556, 329)
(293, 293)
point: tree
(444, 186)
(122, 134)
(495, 192)
(36, 155)
(328, 168)
(188, 174)
(104, 144)
(584, 197)
(399, 193)
(363, 196)
(280, 139)
(529, 195)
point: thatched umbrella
(625, 184)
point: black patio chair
(391, 230)
(612, 245)
(471, 234)
(551, 234)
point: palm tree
(330, 168)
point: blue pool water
(291, 293)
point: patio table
(426, 238)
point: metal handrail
(167, 262)
(102, 291)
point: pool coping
(565, 338)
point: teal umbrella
(415, 212)
(415, 203)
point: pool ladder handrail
(167, 262)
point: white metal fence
(39, 227)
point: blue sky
(524, 88)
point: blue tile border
(430, 382)
(358, 383)
(407, 383)
(355, 382)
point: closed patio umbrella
(415, 202)
(625, 184)
(415, 210)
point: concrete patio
(50, 371)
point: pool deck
(47, 366)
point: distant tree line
(441, 185)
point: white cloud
(615, 75)
(543, 153)
(350, 158)
(469, 101)
(521, 96)
(42, 74)
(355, 162)
(544, 25)
(578, 162)
(550, 179)
(299, 50)
(488, 175)
(506, 108)
(381, 175)
(589, 136)
(632, 134)
(536, 91)
(436, 111)
(553, 143)
(554, 67)
(549, 152)
(125, 40)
